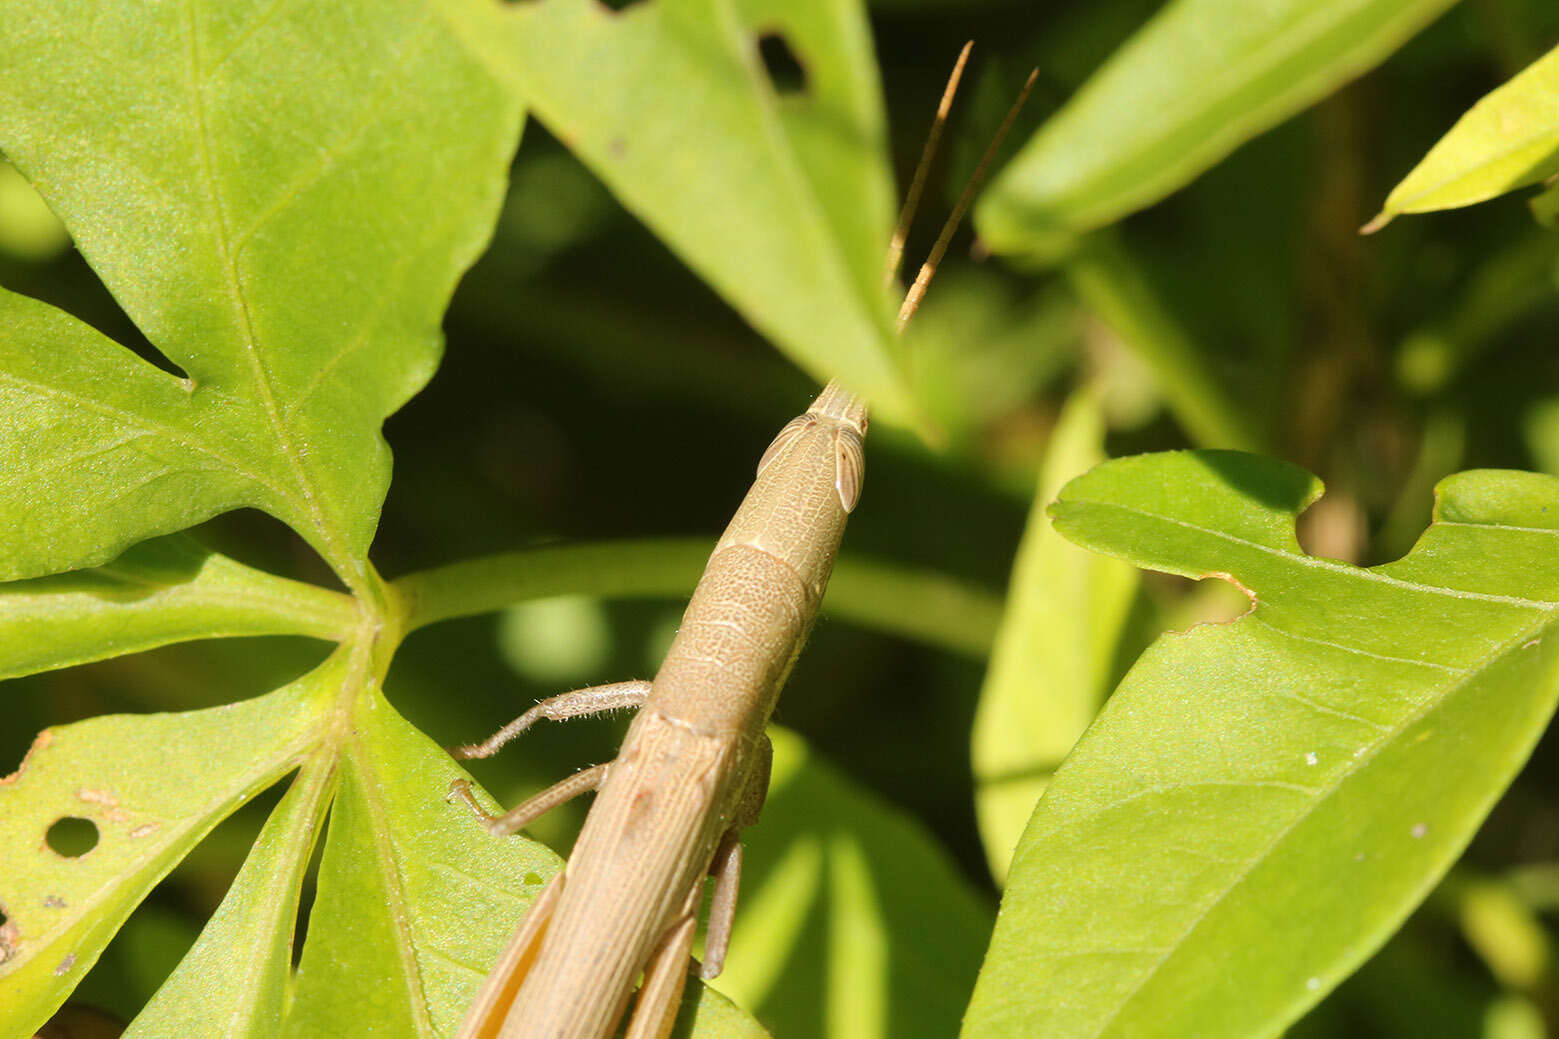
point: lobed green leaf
(281, 197)
(415, 897)
(1262, 802)
(150, 786)
(234, 981)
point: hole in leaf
(8, 937)
(785, 71)
(72, 836)
(1334, 528)
(1187, 603)
(532, 879)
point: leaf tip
(1384, 217)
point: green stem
(1107, 279)
(929, 607)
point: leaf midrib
(399, 913)
(306, 498)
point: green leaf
(415, 896)
(281, 198)
(782, 202)
(1262, 802)
(234, 982)
(1545, 208)
(150, 786)
(1055, 653)
(1507, 140)
(167, 590)
(706, 1014)
(853, 923)
(1196, 82)
(28, 230)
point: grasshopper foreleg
(575, 704)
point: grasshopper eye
(785, 436)
(849, 467)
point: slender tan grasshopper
(694, 766)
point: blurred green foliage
(593, 387)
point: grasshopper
(694, 766)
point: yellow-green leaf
(1051, 665)
(1201, 78)
(1508, 140)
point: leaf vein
(1328, 565)
(1327, 790)
(1354, 650)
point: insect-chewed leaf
(849, 467)
(415, 896)
(145, 790)
(1262, 802)
(795, 241)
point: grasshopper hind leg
(665, 976)
(726, 865)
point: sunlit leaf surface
(281, 197)
(1262, 802)
(782, 199)
(1506, 141)
(1201, 78)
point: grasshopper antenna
(917, 291)
(918, 184)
